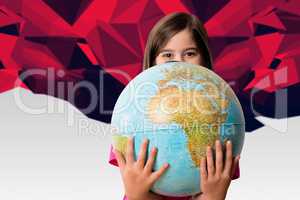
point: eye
(167, 55)
(190, 53)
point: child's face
(181, 47)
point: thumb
(157, 174)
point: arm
(137, 176)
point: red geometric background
(255, 46)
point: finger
(228, 161)
(150, 161)
(130, 151)
(210, 161)
(157, 174)
(120, 159)
(203, 171)
(235, 165)
(142, 153)
(219, 157)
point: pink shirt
(113, 161)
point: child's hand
(216, 177)
(137, 176)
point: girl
(176, 37)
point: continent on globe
(191, 107)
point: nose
(178, 58)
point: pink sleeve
(112, 158)
(236, 174)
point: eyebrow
(170, 50)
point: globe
(180, 108)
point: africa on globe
(181, 108)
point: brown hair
(170, 25)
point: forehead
(181, 40)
